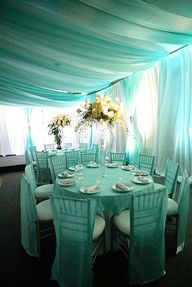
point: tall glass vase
(101, 132)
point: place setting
(93, 164)
(139, 172)
(141, 179)
(123, 185)
(128, 167)
(67, 181)
(66, 174)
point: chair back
(72, 158)
(171, 173)
(87, 157)
(49, 147)
(74, 222)
(28, 216)
(147, 243)
(83, 146)
(30, 175)
(58, 164)
(67, 146)
(117, 157)
(43, 173)
(146, 162)
(33, 150)
(183, 211)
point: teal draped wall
(55, 52)
(58, 53)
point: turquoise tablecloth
(108, 199)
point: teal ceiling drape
(57, 52)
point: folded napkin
(143, 179)
(128, 167)
(122, 186)
(68, 180)
(112, 164)
(141, 172)
(92, 163)
(78, 167)
(67, 174)
(91, 188)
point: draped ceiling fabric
(53, 53)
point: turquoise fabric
(43, 173)
(57, 164)
(108, 199)
(28, 219)
(183, 211)
(147, 238)
(56, 58)
(74, 222)
(72, 158)
(146, 162)
(171, 173)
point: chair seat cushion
(172, 207)
(122, 221)
(43, 191)
(98, 227)
(44, 211)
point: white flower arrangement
(55, 126)
(102, 110)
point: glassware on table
(79, 178)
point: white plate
(131, 187)
(128, 167)
(111, 165)
(69, 175)
(63, 183)
(93, 165)
(75, 168)
(141, 172)
(136, 180)
(82, 189)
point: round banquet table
(108, 199)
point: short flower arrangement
(55, 127)
(102, 110)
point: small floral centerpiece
(56, 125)
(102, 110)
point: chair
(117, 157)
(86, 157)
(36, 220)
(77, 229)
(58, 164)
(72, 158)
(146, 162)
(41, 192)
(33, 150)
(67, 146)
(49, 147)
(43, 173)
(83, 146)
(170, 181)
(177, 212)
(29, 158)
(143, 227)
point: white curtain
(162, 114)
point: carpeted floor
(19, 269)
